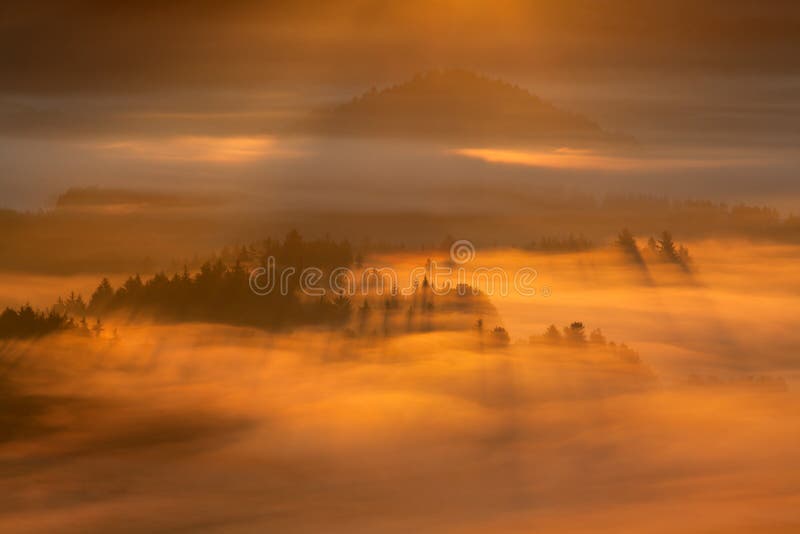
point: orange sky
(145, 44)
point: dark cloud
(102, 46)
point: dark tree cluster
(421, 311)
(73, 306)
(293, 250)
(662, 249)
(668, 251)
(699, 217)
(627, 243)
(500, 336)
(220, 292)
(27, 322)
(574, 335)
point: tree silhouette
(597, 337)
(220, 292)
(500, 336)
(575, 333)
(627, 243)
(102, 297)
(666, 247)
(27, 322)
(552, 335)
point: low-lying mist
(160, 427)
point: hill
(460, 106)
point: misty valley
(391, 267)
(162, 389)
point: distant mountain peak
(458, 106)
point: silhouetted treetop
(574, 335)
(27, 322)
(220, 291)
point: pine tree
(666, 247)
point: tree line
(664, 248)
(575, 335)
(217, 292)
(220, 291)
(27, 322)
